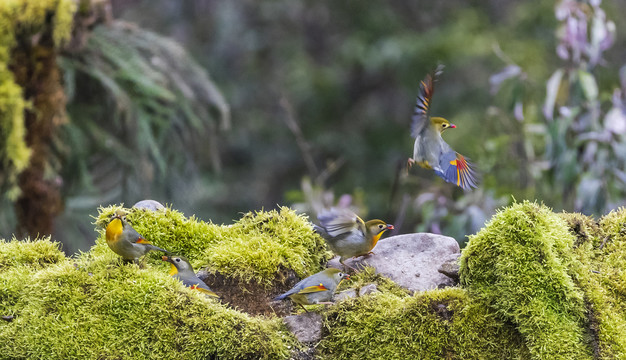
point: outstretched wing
(457, 170)
(422, 105)
(340, 221)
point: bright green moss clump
(609, 285)
(522, 266)
(95, 308)
(256, 247)
(34, 253)
(437, 324)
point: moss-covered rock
(246, 263)
(35, 253)
(607, 285)
(255, 248)
(520, 266)
(93, 307)
(536, 285)
(437, 324)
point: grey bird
(347, 234)
(429, 150)
(182, 270)
(315, 289)
(126, 241)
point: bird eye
(177, 260)
(380, 226)
(124, 217)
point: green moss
(537, 285)
(19, 260)
(520, 265)
(93, 308)
(608, 285)
(28, 18)
(256, 247)
(437, 324)
(369, 276)
(261, 243)
(29, 252)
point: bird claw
(409, 164)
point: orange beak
(165, 258)
(390, 227)
(452, 126)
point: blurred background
(221, 107)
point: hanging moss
(27, 17)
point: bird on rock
(430, 151)
(181, 269)
(315, 289)
(126, 241)
(347, 234)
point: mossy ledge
(534, 285)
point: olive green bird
(181, 269)
(429, 150)
(126, 241)
(315, 289)
(347, 234)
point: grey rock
(306, 327)
(149, 205)
(368, 289)
(346, 294)
(450, 267)
(410, 260)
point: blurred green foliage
(321, 95)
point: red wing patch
(204, 291)
(143, 241)
(461, 173)
(313, 289)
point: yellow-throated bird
(430, 151)
(181, 269)
(347, 234)
(126, 241)
(315, 289)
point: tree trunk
(35, 68)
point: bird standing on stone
(126, 241)
(315, 289)
(347, 234)
(430, 151)
(181, 269)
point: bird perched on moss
(126, 241)
(347, 234)
(181, 269)
(430, 151)
(315, 289)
